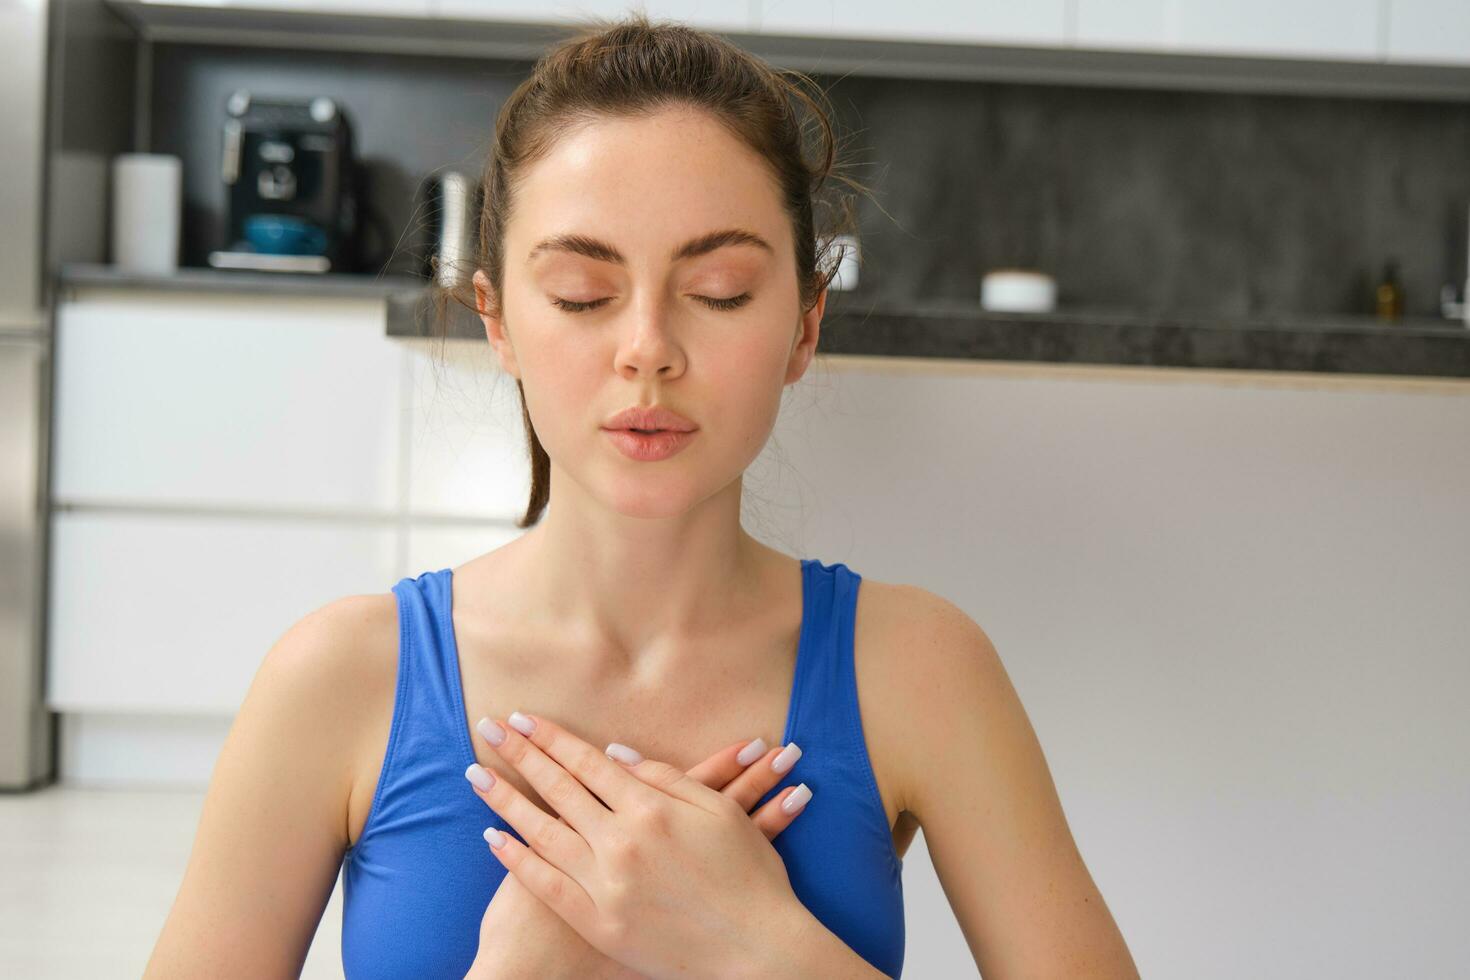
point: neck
(637, 589)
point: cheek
(749, 382)
(557, 384)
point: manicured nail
(623, 753)
(494, 838)
(797, 799)
(521, 723)
(751, 752)
(490, 731)
(480, 776)
(787, 758)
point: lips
(651, 418)
(651, 447)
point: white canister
(1018, 291)
(845, 248)
(147, 193)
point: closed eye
(731, 303)
(726, 304)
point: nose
(647, 344)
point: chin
(651, 496)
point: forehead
(649, 185)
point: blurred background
(1155, 327)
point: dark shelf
(1423, 347)
(1416, 347)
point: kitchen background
(1224, 204)
(1210, 507)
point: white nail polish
(787, 758)
(480, 776)
(751, 752)
(490, 731)
(623, 754)
(494, 838)
(521, 723)
(797, 799)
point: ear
(804, 347)
(492, 313)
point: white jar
(1018, 291)
(147, 191)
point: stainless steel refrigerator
(26, 727)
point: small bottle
(1390, 294)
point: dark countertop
(1417, 347)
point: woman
(648, 259)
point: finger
(782, 809)
(723, 766)
(757, 780)
(565, 790)
(557, 842)
(559, 891)
(669, 780)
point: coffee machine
(292, 186)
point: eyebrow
(604, 252)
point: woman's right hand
(520, 937)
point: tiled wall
(1138, 201)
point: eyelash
(734, 302)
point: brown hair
(632, 66)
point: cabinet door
(212, 399)
(1316, 29)
(375, 8)
(716, 15)
(152, 612)
(1041, 23)
(1429, 31)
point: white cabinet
(1312, 29)
(1041, 23)
(374, 8)
(225, 463)
(708, 14)
(172, 612)
(216, 399)
(1429, 31)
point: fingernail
(751, 752)
(623, 753)
(490, 731)
(797, 799)
(480, 776)
(521, 723)
(787, 758)
(494, 838)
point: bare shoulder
(273, 827)
(974, 776)
(340, 662)
(343, 651)
(917, 654)
(358, 649)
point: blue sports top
(417, 881)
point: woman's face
(643, 188)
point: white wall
(1235, 609)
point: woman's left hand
(671, 878)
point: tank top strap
(426, 643)
(427, 733)
(825, 705)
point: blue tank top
(418, 879)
